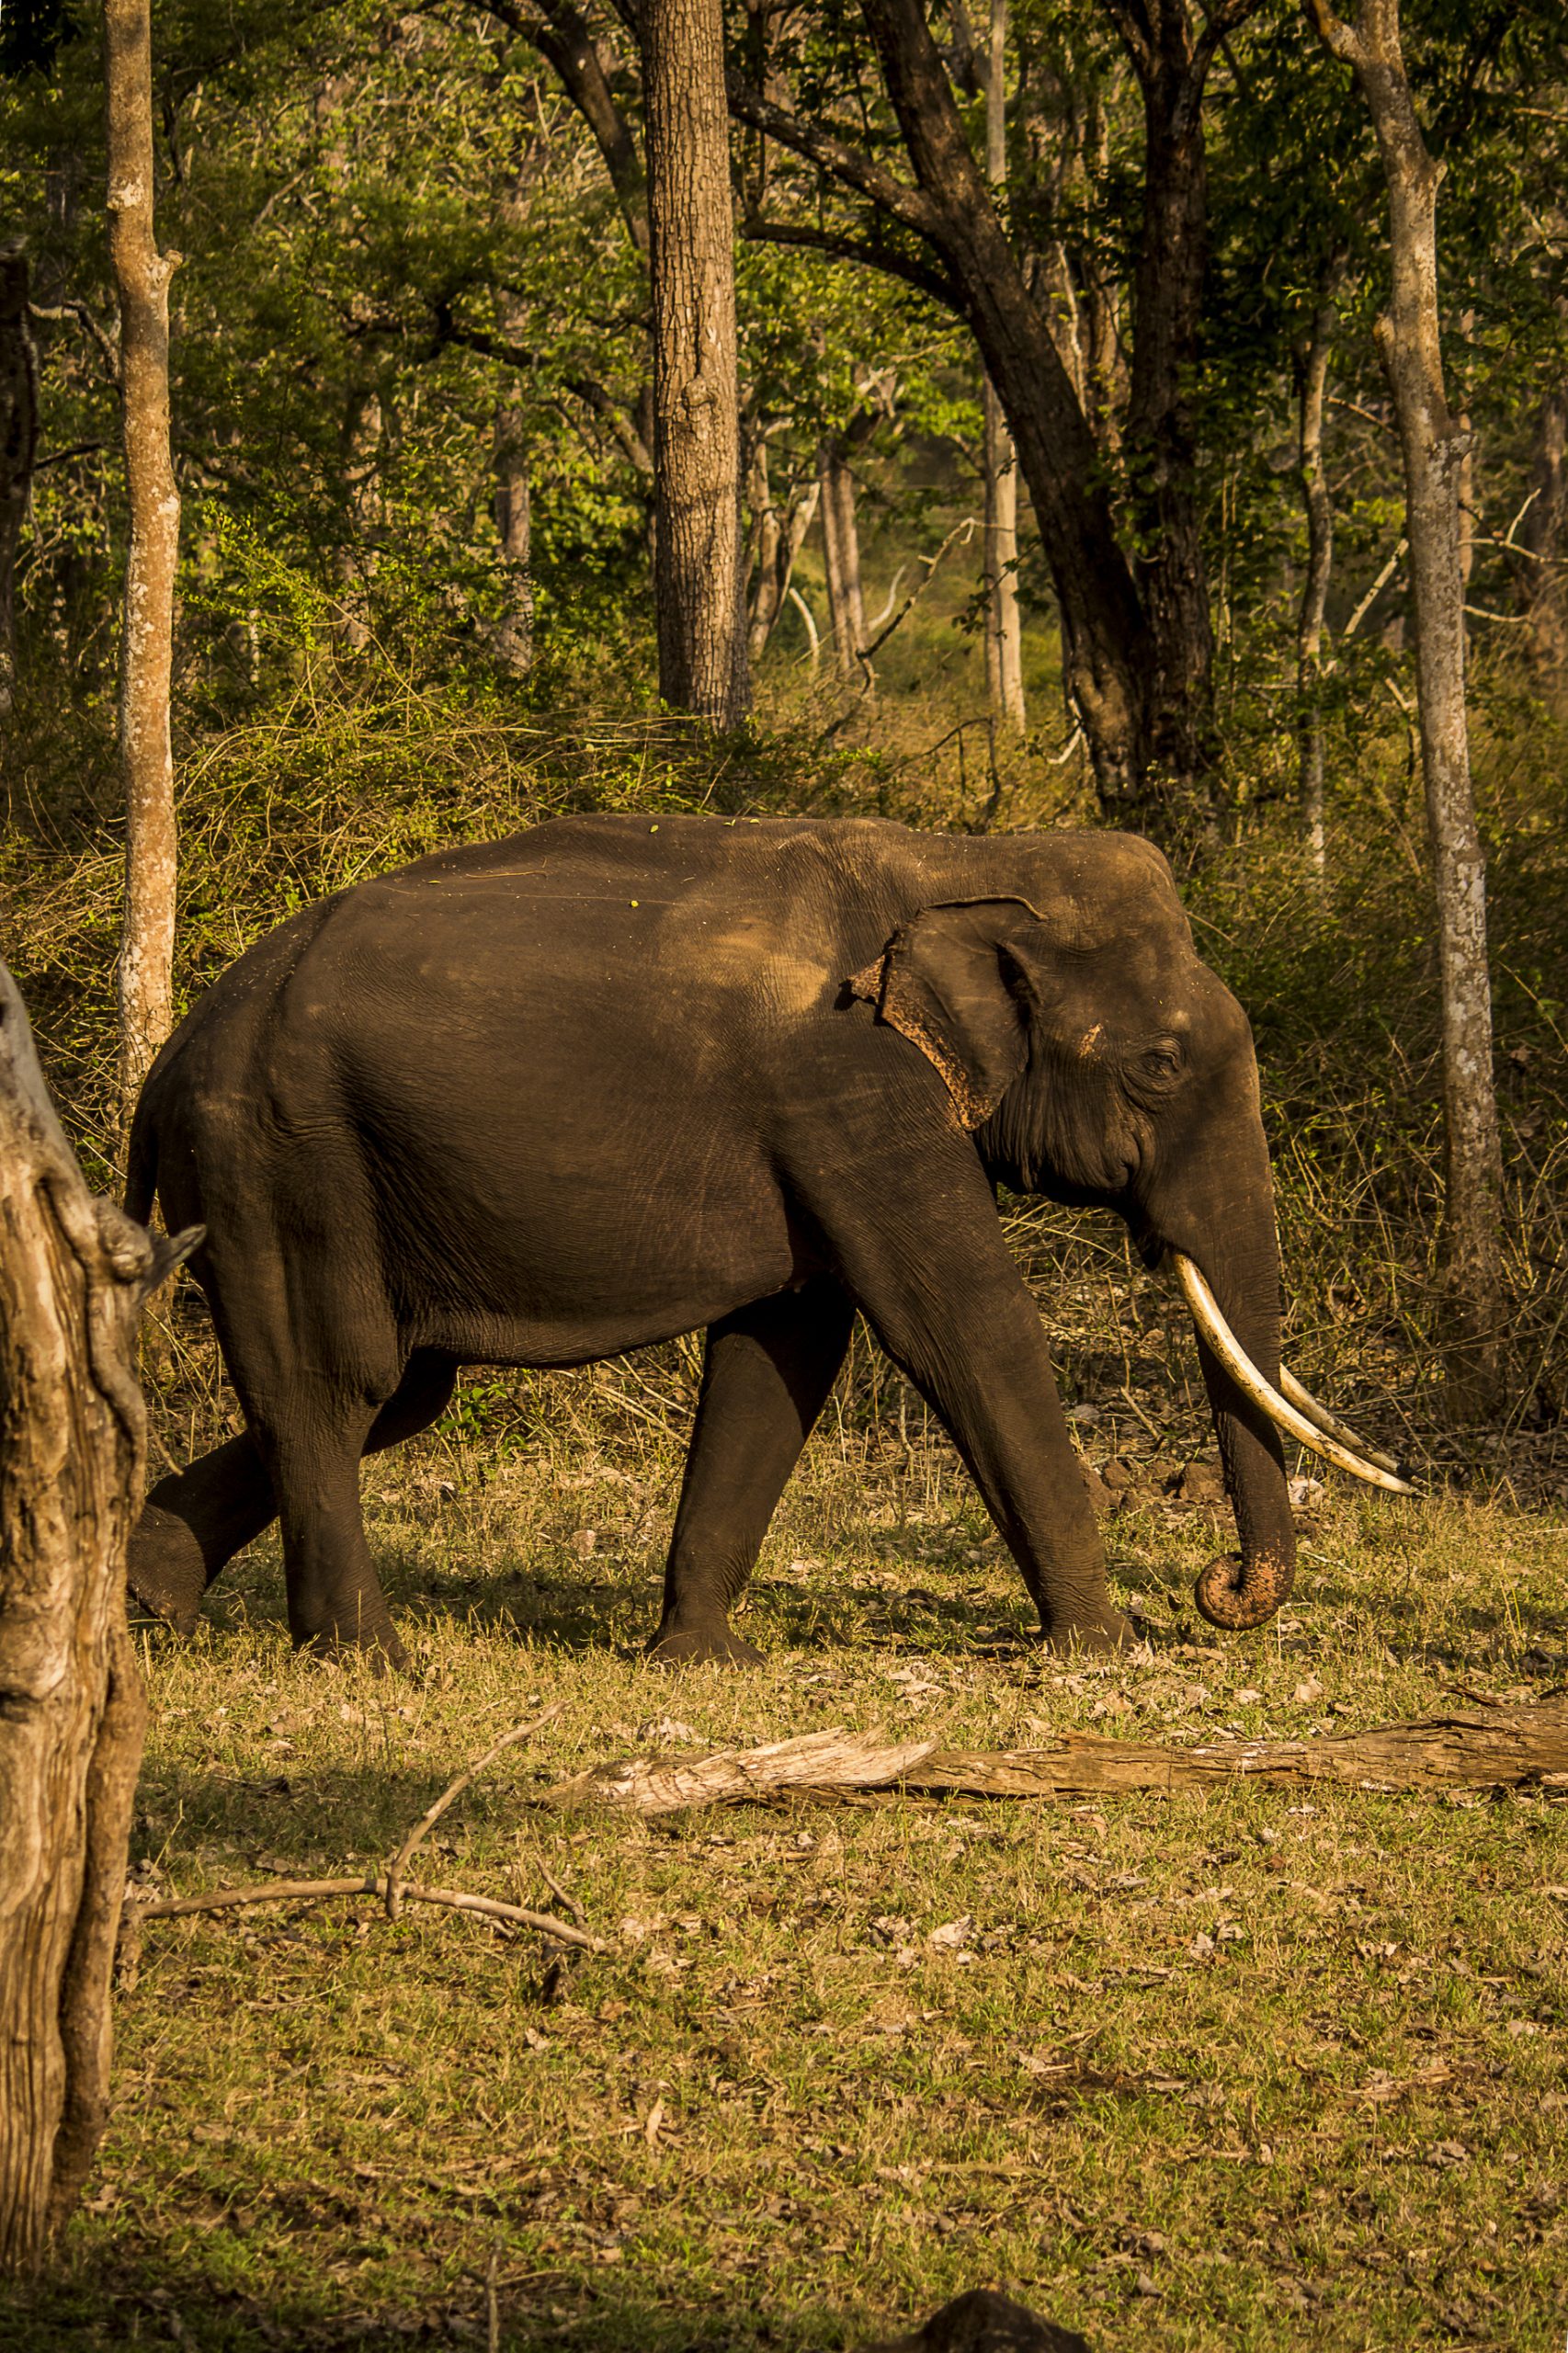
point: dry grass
(1236, 2071)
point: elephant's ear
(947, 981)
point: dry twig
(392, 1888)
(427, 1821)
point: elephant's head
(1097, 1059)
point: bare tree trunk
(1004, 638)
(73, 1273)
(142, 282)
(1161, 442)
(779, 538)
(18, 446)
(699, 591)
(514, 525)
(1313, 365)
(1432, 449)
(359, 444)
(841, 558)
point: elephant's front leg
(765, 1377)
(935, 1281)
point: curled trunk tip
(1237, 1595)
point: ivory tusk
(1206, 1315)
(1291, 1390)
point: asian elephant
(621, 1077)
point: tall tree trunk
(73, 1273)
(1160, 446)
(1107, 651)
(779, 538)
(1433, 451)
(1003, 636)
(359, 448)
(698, 589)
(1312, 363)
(514, 526)
(841, 558)
(141, 277)
(18, 447)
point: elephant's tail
(142, 1161)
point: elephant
(625, 1076)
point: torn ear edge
(893, 984)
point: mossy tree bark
(699, 593)
(1434, 445)
(73, 1273)
(141, 275)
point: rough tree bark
(841, 558)
(18, 447)
(73, 1273)
(1490, 1747)
(697, 589)
(1170, 58)
(1312, 360)
(1003, 635)
(1433, 447)
(141, 275)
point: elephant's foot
(165, 1569)
(713, 1646)
(1103, 1630)
(376, 1641)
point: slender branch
(75, 307)
(936, 283)
(964, 530)
(454, 1789)
(895, 197)
(319, 1890)
(1375, 591)
(1339, 38)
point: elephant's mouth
(1292, 1407)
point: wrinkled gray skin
(619, 1078)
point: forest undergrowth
(347, 769)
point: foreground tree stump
(74, 1274)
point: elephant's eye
(1160, 1062)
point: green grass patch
(1243, 2070)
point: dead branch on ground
(392, 1887)
(1490, 1747)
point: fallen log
(1481, 1748)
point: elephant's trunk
(1224, 1224)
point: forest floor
(1234, 2070)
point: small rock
(984, 2321)
(1305, 1693)
(584, 1540)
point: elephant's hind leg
(195, 1521)
(765, 1378)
